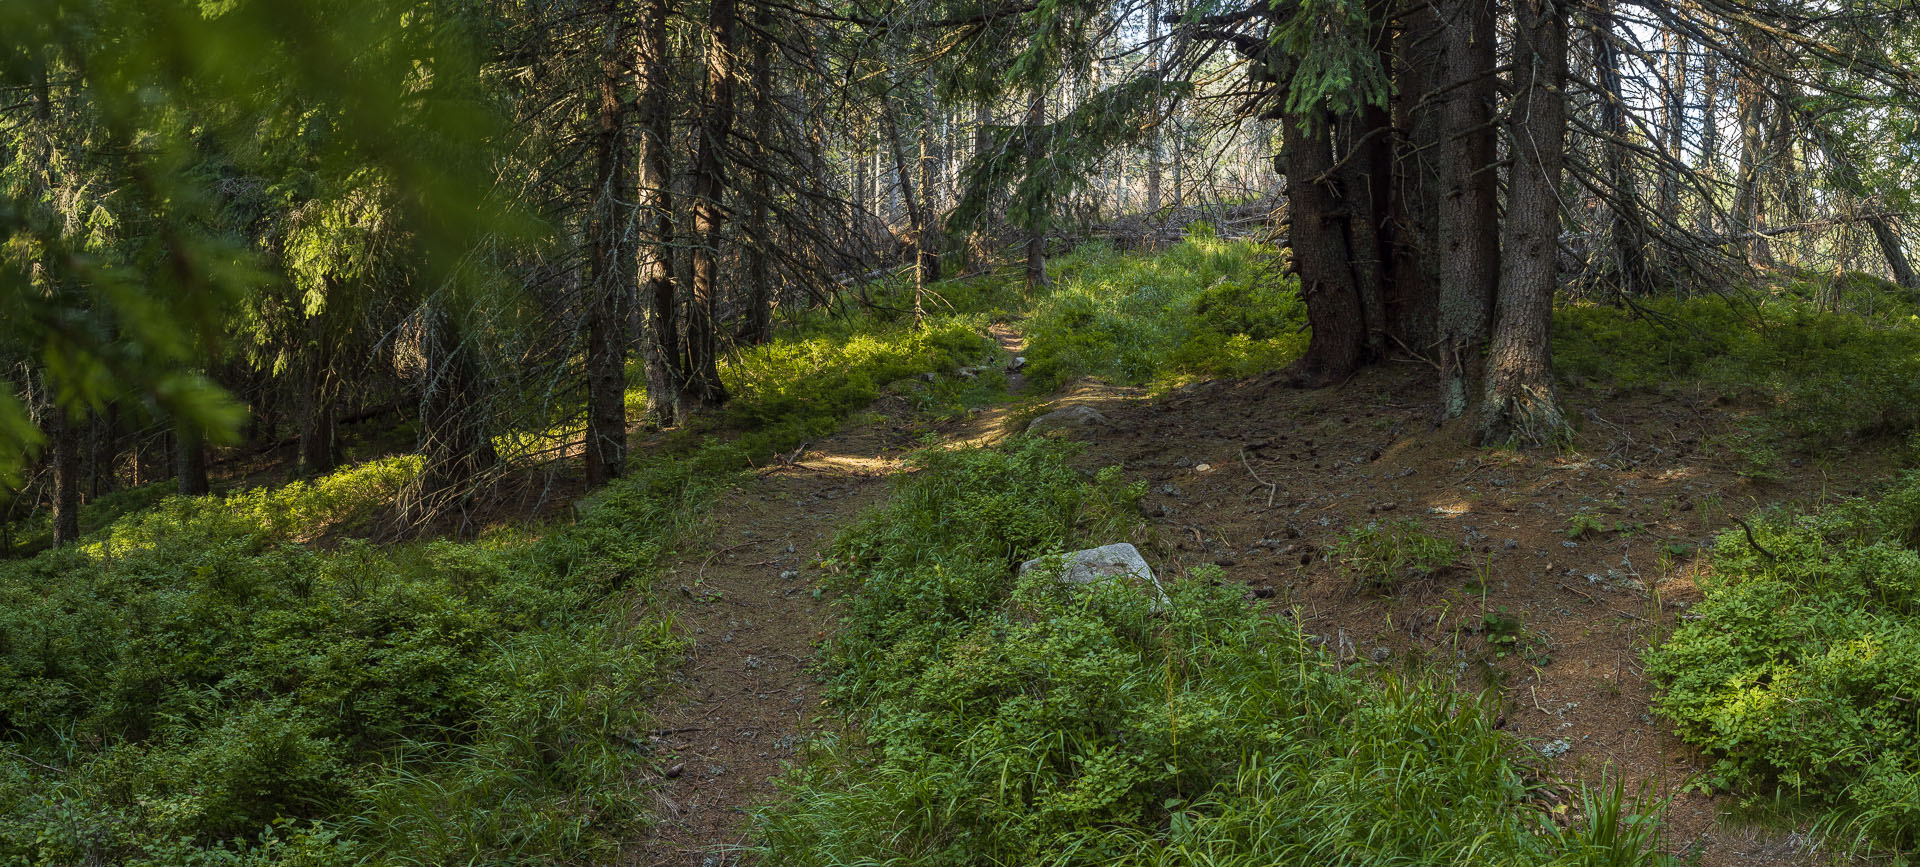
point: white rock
(1117, 562)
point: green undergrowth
(190, 685)
(1800, 672)
(1205, 307)
(806, 384)
(995, 719)
(34, 533)
(1819, 376)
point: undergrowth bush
(1379, 555)
(1004, 720)
(191, 686)
(1207, 306)
(805, 386)
(1801, 673)
(1822, 377)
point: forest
(959, 432)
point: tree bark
(610, 280)
(1321, 256)
(758, 327)
(1036, 271)
(190, 460)
(1469, 222)
(1628, 228)
(453, 423)
(1895, 254)
(1522, 405)
(64, 436)
(660, 335)
(319, 452)
(702, 387)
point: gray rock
(1117, 562)
(1018, 362)
(1381, 654)
(1066, 419)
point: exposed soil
(1262, 480)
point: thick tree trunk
(1675, 122)
(660, 335)
(758, 327)
(64, 436)
(703, 388)
(1522, 406)
(1418, 182)
(610, 280)
(1321, 256)
(1469, 222)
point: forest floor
(1574, 562)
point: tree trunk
(916, 204)
(1321, 256)
(319, 452)
(758, 328)
(1747, 207)
(1469, 222)
(1153, 135)
(1522, 405)
(1896, 256)
(1037, 223)
(703, 388)
(453, 423)
(610, 282)
(190, 460)
(1628, 228)
(64, 436)
(1676, 122)
(660, 336)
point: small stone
(1510, 544)
(929, 377)
(1263, 592)
(1381, 654)
(789, 575)
(1224, 562)
(1201, 468)
(1170, 490)
(673, 773)
(1018, 362)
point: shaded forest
(396, 389)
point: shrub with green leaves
(190, 685)
(1800, 672)
(1206, 307)
(1004, 720)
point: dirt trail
(744, 598)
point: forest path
(743, 596)
(1262, 481)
